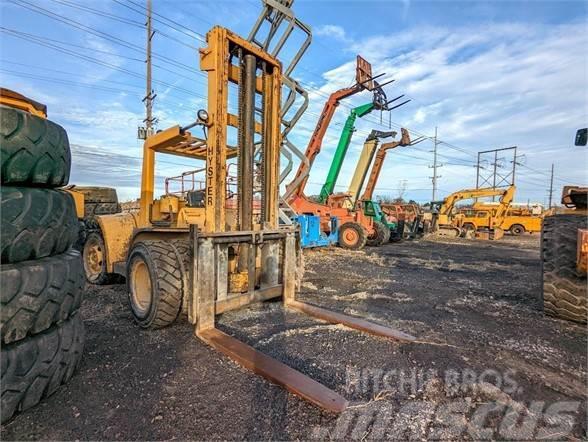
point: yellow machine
(517, 222)
(564, 253)
(216, 245)
(18, 101)
(448, 223)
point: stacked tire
(41, 328)
(97, 201)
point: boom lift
(206, 250)
(445, 224)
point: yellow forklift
(218, 245)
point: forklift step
(274, 370)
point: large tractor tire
(36, 223)
(98, 194)
(352, 236)
(93, 209)
(380, 236)
(35, 367)
(38, 294)
(156, 279)
(564, 291)
(94, 259)
(33, 150)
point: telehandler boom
(353, 227)
(379, 102)
(363, 164)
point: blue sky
(487, 74)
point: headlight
(202, 115)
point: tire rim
(140, 287)
(93, 258)
(350, 236)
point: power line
(99, 62)
(193, 34)
(98, 33)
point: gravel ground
(487, 364)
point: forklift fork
(276, 277)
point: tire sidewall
(359, 233)
(517, 230)
(87, 241)
(140, 252)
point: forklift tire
(35, 367)
(155, 283)
(380, 236)
(517, 229)
(94, 259)
(565, 294)
(38, 294)
(36, 223)
(34, 150)
(352, 236)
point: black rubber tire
(380, 236)
(92, 209)
(361, 236)
(164, 263)
(37, 366)
(98, 194)
(33, 150)
(38, 294)
(517, 229)
(102, 278)
(36, 223)
(398, 234)
(565, 294)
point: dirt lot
(484, 349)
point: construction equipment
(445, 223)
(212, 249)
(564, 253)
(351, 234)
(355, 228)
(365, 160)
(371, 207)
(379, 102)
(517, 222)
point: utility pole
(551, 187)
(435, 166)
(149, 94)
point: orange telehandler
(354, 227)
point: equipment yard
(474, 307)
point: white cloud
(332, 31)
(487, 86)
